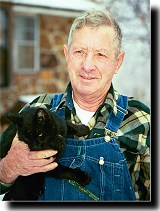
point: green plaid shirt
(133, 135)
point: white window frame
(35, 43)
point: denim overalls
(101, 157)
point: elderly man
(116, 151)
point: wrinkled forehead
(94, 38)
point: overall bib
(101, 157)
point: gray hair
(96, 18)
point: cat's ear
(16, 118)
(41, 116)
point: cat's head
(34, 126)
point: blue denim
(110, 181)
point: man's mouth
(87, 78)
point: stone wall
(52, 75)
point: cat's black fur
(41, 129)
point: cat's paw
(82, 177)
(83, 130)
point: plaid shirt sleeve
(134, 137)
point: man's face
(92, 61)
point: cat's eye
(29, 132)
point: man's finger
(34, 155)
(45, 168)
(41, 162)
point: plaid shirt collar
(108, 103)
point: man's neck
(89, 103)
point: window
(26, 44)
(4, 74)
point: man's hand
(21, 161)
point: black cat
(41, 129)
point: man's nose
(88, 63)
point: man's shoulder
(135, 128)
(138, 117)
(135, 105)
(44, 100)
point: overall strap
(115, 120)
(56, 100)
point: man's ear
(41, 116)
(120, 59)
(65, 49)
